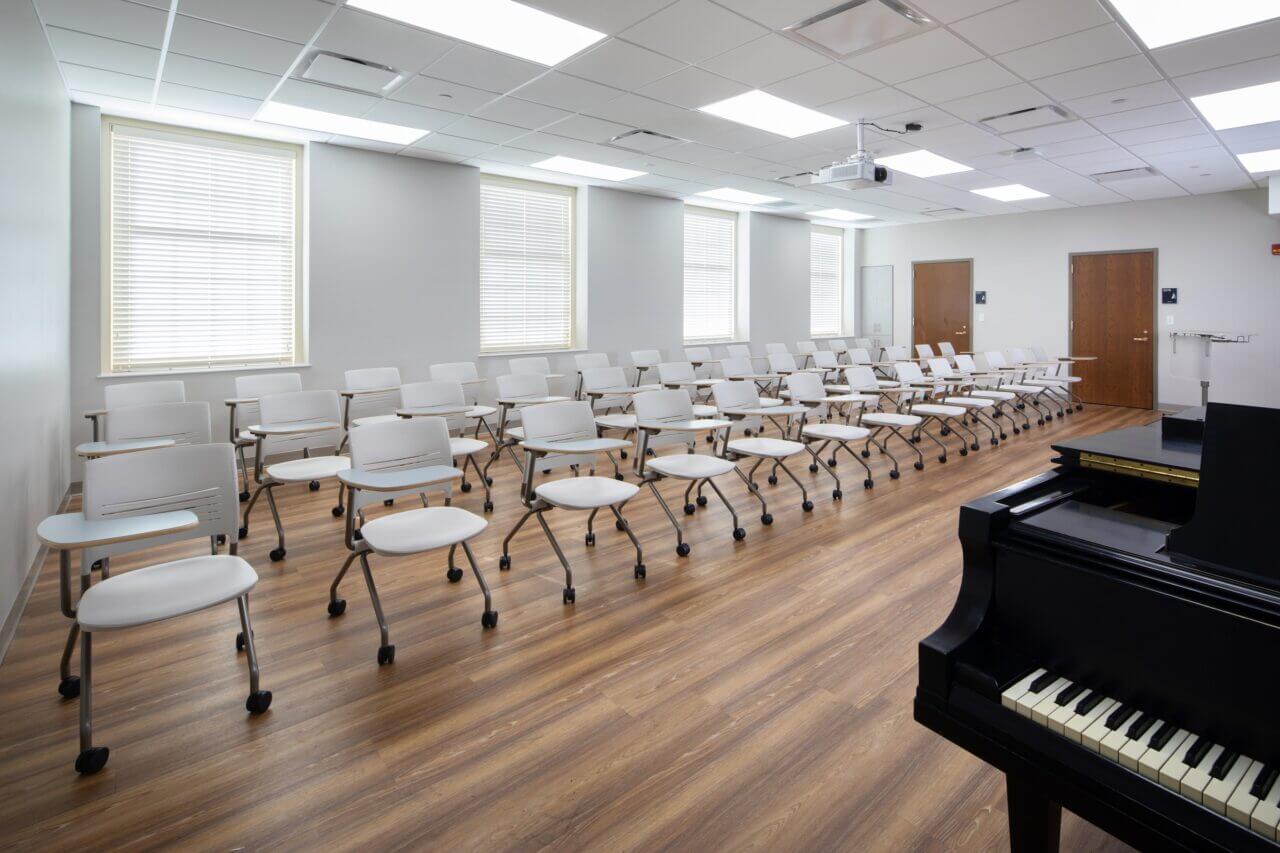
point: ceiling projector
(859, 171)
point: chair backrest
(806, 347)
(534, 364)
(908, 371)
(185, 423)
(895, 353)
(675, 371)
(454, 371)
(863, 343)
(603, 378)
(591, 359)
(994, 360)
(837, 346)
(296, 406)
(860, 378)
(734, 394)
(569, 420)
(924, 350)
(1015, 356)
(368, 379)
(1039, 353)
(669, 404)
(859, 356)
(645, 357)
(770, 349)
(736, 368)
(258, 385)
(196, 477)
(782, 362)
(824, 358)
(398, 446)
(441, 392)
(806, 387)
(738, 351)
(142, 393)
(946, 349)
(939, 367)
(702, 354)
(966, 364)
(522, 385)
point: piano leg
(1034, 819)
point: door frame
(972, 330)
(1155, 309)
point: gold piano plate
(1144, 470)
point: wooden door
(941, 292)
(1112, 312)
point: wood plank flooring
(754, 695)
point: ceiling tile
(451, 144)
(588, 129)
(617, 63)
(566, 92)
(204, 40)
(608, 18)
(739, 137)
(108, 18)
(994, 103)
(1172, 146)
(1106, 77)
(926, 53)
(1256, 137)
(484, 131)
(765, 60)
(1155, 133)
(512, 156)
(327, 98)
(97, 52)
(775, 15)
(1146, 95)
(483, 69)
(636, 111)
(947, 11)
(1030, 21)
(939, 87)
(1101, 161)
(871, 105)
(291, 20)
(520, 113)
(217, 77)
(1078, 50)
(693, 30)
(831, 82)
(426, 154)
(368, 144)
(204, 101)
(1230, 77)
(960, 141)
(373, 39)
(85, 79)
(1084, 145)
(1145, 117)
(410, 115)
(693, 87)
(442, 95)
(1229, 48)
(1061, 132)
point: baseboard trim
(10, 626)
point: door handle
(1142, 339)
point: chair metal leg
(279, 552)
(91, 758)
(484, 481)
(570, 594)
(739, 533)
(818, 460)
(68, 684)
(591, 533)
(765, 517)
(682, 549)
(248, 508)
(805, 504)
(244, 473)
(338, 606)
(504, 562)
(386, 652)
(921, 431)
(489, 618)
(259, 700)
(626, 528)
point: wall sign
(980, 297)
(1169, 295)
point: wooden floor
(754, 695)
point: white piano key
(1077, 725)
(1219, 791)
(1197, 778)
(1009, 697)
(1062, 714)
(1153, 759)
(1093, 736)
(1175, 768)
(1046, 706)
(1131, 753)
(1266, 815)
(1029, 700)
(1116, 739)
(1242, 803)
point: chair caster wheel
(618, 525)
(240, 641)
(357, 534)
(488, 506)
(1004, 436)
(639, 571)
(570, 595)
(69, 687)
(831, 463)
(386, 655)
(649, 452)
(243, 532)
(618, 477)
(807, 506)
(945, 431)
(454, 574)
(702, 500)
(813, 467)
(504, 563)
(389, 502)
(92, 760)
(622, 454)
(919, 466)
(489, 619)
(338, 511)
(258, 702)
(488, 481)
(895, 473)
(915, 439)
(994, 442)
(1040, 422)
(590, 539)
(974, 447)
(1079, 408)
(868, 483)
(337, 607)
(739, 533)
(836, 495)
(222, 539)
(766, 519)
(314, 486)
(943, 458)
(277, 554)
(682, 550)
(773, 480)
(711, 439)
(964, 451)
(1017, 431)
(690, 509)
(466, 487)
(866, 454)
(244, 496)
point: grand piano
(1115, 646)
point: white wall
(779, 280)
(1214, 248)
(34, 219)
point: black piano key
(1223, 765)
(1140, 726)
(1042, 682)
(1267, 778)
(1162, 736)
(1117, 717)
(1198, 751)
(1088, 703)
(1069, 693)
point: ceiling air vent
(1027, 118)
(347, 72)
(859, 25)
(945, 212)
(642, 141)
(1124, 175)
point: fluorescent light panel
(738, 196)
(1261, 161)
(1161, 22)
(1241, 107)
(502, 25)
(572, 166)
(275, 112)
(842, 215)
(923, 164)
(771, 113)
(1010, 192)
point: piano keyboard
(1214, 775)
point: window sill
(185, 371)
(529, 352)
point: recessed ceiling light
(1159, 22)
(1010, 192)
(842, 215)
(503, 25)
(1261, 161)
(771, 113)
(738, 196)
(572, 166)
(923, 164)
(1240, 107)
(275, 112)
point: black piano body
(1144, 565)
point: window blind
(203, 241)
(825, 282)
(526, 266)
(710, 275)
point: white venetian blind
(526, 266)
(710, 275)
(203, 242)
(825, 282)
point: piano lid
(1151, 452)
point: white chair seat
(305, 470)
(690, 466)
(246, 437)
(1053, 380)
(992, 394)
(938, 411)
(374, 419)
(1024, 389)
(890, 419)
(771, 448)
(702, 410)
(516, 432)
(164, 590)
(586, 492)
(481, 411)
(769, 402)
(616, 421)
(969, 402)
(836, 432)
(417, 530)
(466, 446)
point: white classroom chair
(682, 374)
(135, 394)
(739, 351)
(538, 365)
(739, 400)
(956, 389)
(462, 372)
(606, 388)
(311, 418)
(182, 423)
(671, 411)
(916, 391)
(1055, 375)
(860, 379)
(569, 428)
(242, 410)
(806, 389)
(947, 351)
(644, 359)
(837, 346)
(1028, 393)
(398, 459)
(826, 361)
(586, 361)
(924, 351)
(805, 349)
(135, 501)
(448, 399)
(736, 367)
(867, 344)
(986, 385)
(700, 357)
(374, 393)
(784, 364)
(771, 349)
(896, 354)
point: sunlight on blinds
(710, 275)
(825, 282)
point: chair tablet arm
(239, 401)
(582, 445)
(95, 449)
(766, 411)
(72, 531)
(356, 393)
(296, 428)
(695, 425)
(402, 480)
(94, 413)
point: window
(526, 266)
(826, 282)
(203, 236)
(710, 275)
